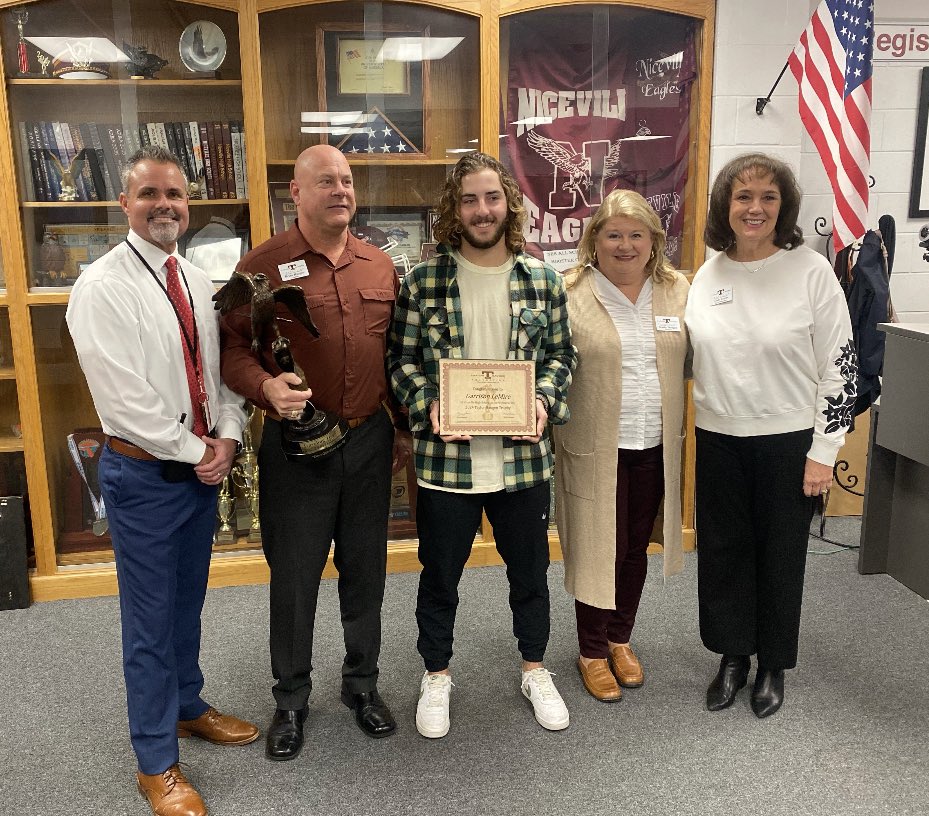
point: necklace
(758, 268)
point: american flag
(832, 65)
(377, 135)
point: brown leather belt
(130, 450)
(352, 423)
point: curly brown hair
(629, 204)
(448, 228)
(718, 234)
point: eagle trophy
(244, 288)
(314, 433)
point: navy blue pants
(446, 524)
(162, 535)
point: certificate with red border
(487, 397)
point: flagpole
(762, 101)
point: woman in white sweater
(774, 385)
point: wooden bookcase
(275, 71)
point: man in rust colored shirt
(350, 288)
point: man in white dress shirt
(147, 338)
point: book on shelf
(244, 163)
(192, 138)
(132, 140)
(162, 136)
(31, 186)
(205, 133)
(235, 133)
(113, 142)
(169, 137)
(89, 170)
(110, 176)
(220, 181)
(46, 137)
(229, 185)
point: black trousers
(446, 524)
(305, 507)
(753, 525)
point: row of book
(211, 153)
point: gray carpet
(851, 738)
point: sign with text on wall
(901, 42)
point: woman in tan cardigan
(621, 451)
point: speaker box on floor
(14, 580)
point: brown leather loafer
(222, 729)
(599, 681)
(626, 667)
(170, 794)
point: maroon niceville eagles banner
(589, 111)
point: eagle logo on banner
(575, 165)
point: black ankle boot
(767, 691)
(732, 675)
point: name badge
(294, 269)
(723, 295)
(670, 324)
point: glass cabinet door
(395, 87)
(89, 82)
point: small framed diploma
(487, 397)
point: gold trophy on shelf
(245, 476)
(225, 509)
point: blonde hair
(625, 204)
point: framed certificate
(362, 69)
(355, 68)
(487, 397)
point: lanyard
(192, 343)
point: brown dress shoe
(599, 681)
(626, 667)
(170, 794)
(223, 729)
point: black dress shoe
(732, 675)
(285, 736)
(767, 691)
(371, 713)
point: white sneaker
(432, 709)
(550, 710)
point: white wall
(753, 41)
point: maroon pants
(639, 490)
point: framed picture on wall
(283, 209)
(402, 230)
(355, 64)
(919, 188)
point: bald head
(323, 191)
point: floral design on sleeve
(839, 409)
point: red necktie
(186, 315)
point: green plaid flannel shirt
(427, 326)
